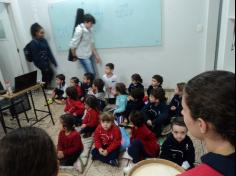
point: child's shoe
(114, 163)
(127, 169)
(49, 102)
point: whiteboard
(120, 23)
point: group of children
(98, 107)
(208, 107)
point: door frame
(10, 12)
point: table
(29, 91)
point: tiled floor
(93, 168)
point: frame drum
(156, 167)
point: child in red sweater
(74, 82)
(143, 141)
(74, 106)
(69, 146)
(107, 139)
(91, 116)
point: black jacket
(177, 152)
(150, 88)
(132, 87)
(223, 164)
(157, 114)
(133, 106)
(42, 55)
(177, 102)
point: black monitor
(25, 81)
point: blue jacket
(42, 54)
(121, 103)
(157, 114)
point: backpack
(28, 52)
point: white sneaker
(127, 156)
(79, 166)
(127, 169)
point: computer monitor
(25, 81)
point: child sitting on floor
(156, 111)
(74, 82)
(135, 103)
(74, 106)
(91, 117)
(87, 83)
(98, 91)
(107, 139)
(157, 82)
(121, 102)
(175, 106)
(136, 83)
(110, 80)
(69, 147)
(143, 141)
(59, 93)
(178, 147)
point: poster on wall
(2, 31)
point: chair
(13, 107)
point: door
(10, 64)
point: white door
(10, 64)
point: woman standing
(42, 56)
(82, 44)
(209, 113)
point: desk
(29, 92)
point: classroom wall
(181, 56)
(226, 57)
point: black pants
(136, 151)
(114, 155)
(111, 101)
(70, 160)
(88, 130)
(47, 76)
(59, 94)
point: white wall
(182, 55)
(10, 64)
(226, 58)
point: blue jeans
(88, 65)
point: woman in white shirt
(82, 44)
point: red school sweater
(91, 118)
(109, 140)
(202, 170)
(79, 91)
(69, 144)
(74, 107)
(148, 139)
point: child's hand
(130, 98)
(60, 154)
(101, 151)
(105, 153)
(83, 126)
(173, 108)
(149, 122)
